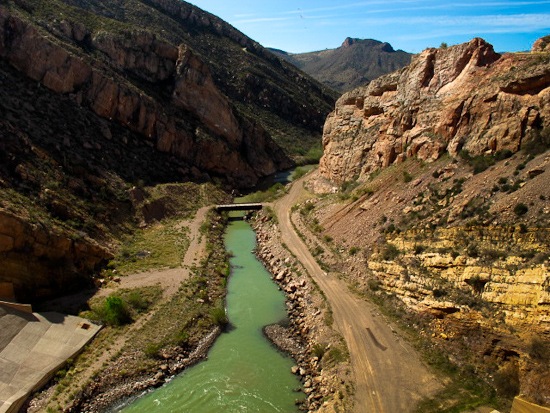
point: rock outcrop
(219, 143)
(28, 248)
(465, 97)
(438, 282)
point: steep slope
(353, 64)
(98, 97)
(463, 98)
(440, 178)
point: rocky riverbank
(173, 362)
(121, 390)
(320, 354)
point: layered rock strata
(448, 100)
(444, 283)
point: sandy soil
(389, 374)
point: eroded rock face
(542, 45)
(198, 124)
(520, 292)
(37, 261)
(462, 97)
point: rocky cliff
(105, 92)
(439, 173)
(448, 100)
(100, 97)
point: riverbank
(175, 332)
(320, 353)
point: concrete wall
(523, 406)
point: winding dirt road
(389, 375)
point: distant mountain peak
(349, 41)
(356, 62)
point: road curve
(389, 375)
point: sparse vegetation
(219, 316)
(275, 191)
(159, 246)
(407, 177)
(390, 252)
(521, 209)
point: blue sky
(412, 25)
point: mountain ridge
(353, 64)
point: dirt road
(389, 375)
(168, 279)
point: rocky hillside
(99, 97)
(463, 98)
(355, 63)
(440, 177)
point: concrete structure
(33, 347)
(521, 405)
(239, 207)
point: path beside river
(389, 374)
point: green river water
(244, 372)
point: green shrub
(318, 350)
(114, 311)
(374, 285)
(480, 163)
(493, 254)
(353, 250)
(152, 350)
(182, 338)
(337, 355)
(314, 155)
(219, 316)
(520, 209)
(137, 302)
(307, 208)
(390, 252)
(504, 154)
(472, 251)
(407, 177)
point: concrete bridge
(239, 207)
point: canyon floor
(388, 373)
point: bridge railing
(239, 207)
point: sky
(299, 26)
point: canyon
(431, 196)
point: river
(244, 372)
